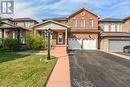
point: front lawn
(23, 71)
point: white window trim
(91, 26)
(82, 23)
(113, 27)
(106, 27)
(118, 27)
(26, 24)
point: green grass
(23, 71)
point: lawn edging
(50, 72)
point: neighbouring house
(115, 34)
(16, 28)
(77, 31)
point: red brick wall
(87, 15)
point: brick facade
(86, 15)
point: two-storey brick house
(77, 31)
(16, 27)
(80, 30)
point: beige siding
(53, 26)
(109, 23)
(104, 44)
(126, 26)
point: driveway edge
(119, 55)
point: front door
(60, 38)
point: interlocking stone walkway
(60, 76)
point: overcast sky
(40, 9)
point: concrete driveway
(98, 69)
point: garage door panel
(89, 44)
(74, 43)
(118, 45)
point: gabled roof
(10, 26)
(56, 19)
(7, 19)
(126, 18)
(110, 20)
(51, 22)
(73, 14)
(23, 19)
(19, 19)
(82, 9)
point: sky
(40, 9)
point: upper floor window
(74, 23)
(106, 27)
(118, 28)
(15, 23)
(27, 24)
(91, 23)
(82, 23)
(113, 27)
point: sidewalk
(60, 76)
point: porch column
(66, 37)
(18, 36)
(2, 36)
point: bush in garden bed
(35, 42)
(11, 44)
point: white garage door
(74, 43)
(87, 44)
(117, 45)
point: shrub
(11, 44)
(45, 45)
(34, 42)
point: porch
(58, 32)
(11, 31)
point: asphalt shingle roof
(111, 20)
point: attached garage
(114, 41)
(117, 45)
(84, 39)
(86, 44)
